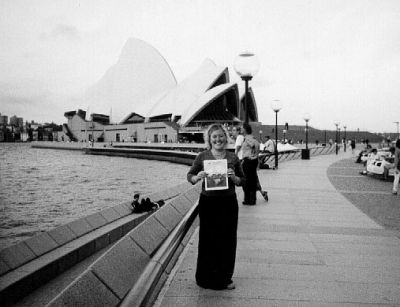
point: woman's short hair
(211, 129)
(398, 143)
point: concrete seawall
(135, 239)
(29, 264)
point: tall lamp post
(344, 139)
(398, 135)
(246, 66)
(276, 106)
(337, 141)
(305, 153)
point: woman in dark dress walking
(251, 148)
(218, 213)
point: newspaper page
(217, 174)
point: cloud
(61, 31)
(40, 105)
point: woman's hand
(201, 175)
(231, 173)
(232, 176)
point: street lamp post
(305, 153)
(337, 129)
(261, 133)
(276, 106)
(344, 139)
(246, 66)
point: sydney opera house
(157, 108)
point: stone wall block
(192, 194)
(149, 235)
(86, 291)
(175, 191)
(13, 286)
(128, 226)
(86, 250)
(41, 243)
(110, 215)
(62, 234)
(115, 234)
(181, 204)
(68, 259)
(168, 216)
(44, 273)
(123, 209)
(80, 227)
(96, 220)
(102, 241)
(184, 186)
(4, 268)
(121, 266)
(16, 255)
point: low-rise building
(160, 110)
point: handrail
(142, 293)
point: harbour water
(43, 188)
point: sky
(338, 60)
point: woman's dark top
(233, 163)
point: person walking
(353, 145)
(239, 138)
(251, 148)
(218, 213)
(397, 167)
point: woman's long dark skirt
(217, 241)
(252, 184)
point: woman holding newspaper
(220, 171)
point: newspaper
(217, 174)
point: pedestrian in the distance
(353, 146)
(251, 149)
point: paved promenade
(309, 246)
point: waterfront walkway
(309, 246)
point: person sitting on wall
(145, 205)
(387, 167)
(371, 158)
(269, 145)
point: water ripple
(42, 188)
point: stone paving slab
(315, 291)
(308, 246)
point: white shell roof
(142, 82)
(140, 74)
(205, 100)
(187, 93)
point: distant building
(161, 109)
(3, 120)
(16, 121)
